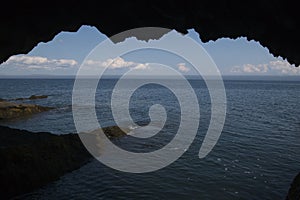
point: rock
(294, 191)
(114, 132)
(37, 97)
(275, 25)
(10, 110)
(31, 160)
(32, 97)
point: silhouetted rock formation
(10, 110)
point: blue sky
(65, 53)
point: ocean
(256, 157)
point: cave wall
(275, 24)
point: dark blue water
(256, 157)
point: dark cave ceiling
(275, 24)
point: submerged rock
(10, 110)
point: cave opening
(257, 154)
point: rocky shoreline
(30, 160)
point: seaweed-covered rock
(10, 110)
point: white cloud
(273, 67)
(38, 62)
(142, 66)
(262, 68)
(93, 63)
(182, 67)
(116, 63)
(284, 67)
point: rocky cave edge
(274, 24)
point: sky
(67, 51)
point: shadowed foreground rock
(10, 110)
(31, 160)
